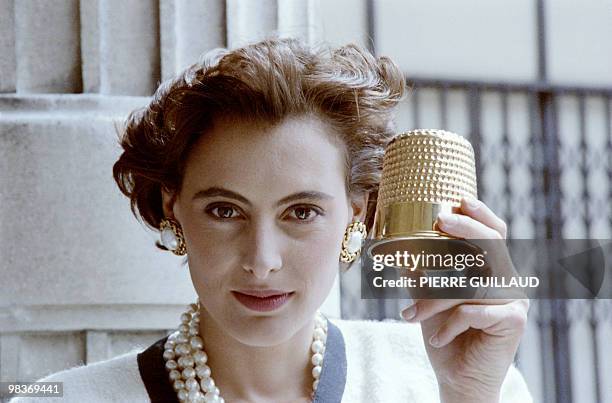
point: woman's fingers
(424, 309)
(463, 226)
(494, 316)
(499, 320)
(482, 213)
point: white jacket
(379, 362)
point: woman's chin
(256, 332)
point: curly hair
(347, 87)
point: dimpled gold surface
(434, 166)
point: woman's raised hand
(470, 342)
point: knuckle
(488, 313)
(462, 219)
(503, 228)
(464, 311)
(517, 317)
(497, 235)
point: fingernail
(409, 312)
(434, 341)
(448, 219)
(471, 203)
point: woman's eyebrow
(309, 194)
(219, 191)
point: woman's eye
(304, 213)
(223, 212)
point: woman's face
(264, 208)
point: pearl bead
(193, 331)
(182, 349)
(203, 371)
(189, 372)
(182, 395)
(317, 346)
(317, 359)
(315, 384)
(319, 334)
(195, 394)
(192, 384)
(168, 239)
(354, 242)
(200, 357)
(185, 361)
(207, 384)
(211, 397)
(316, 372)
(175, 375)
(169, 354)
(171, 364)
(181, 338)
(169, 345)
(178, 384)
(196, 342)
(183, 328)
(185, 318)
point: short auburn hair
(347, 87)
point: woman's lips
(262, 304)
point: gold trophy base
(409, 220)
(411, 226)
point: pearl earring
(351, 243)
(171, 236)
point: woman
(257, 164)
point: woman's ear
(359, 203)
(168, 200)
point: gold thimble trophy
(424, 172)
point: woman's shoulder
(386, 353)
(115, 379)
(390, 335)
(383, 339)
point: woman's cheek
(209, 259)
(203, 239)
(318, 237)
(320, 257)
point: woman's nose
(262, 250)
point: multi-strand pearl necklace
(186, 359)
